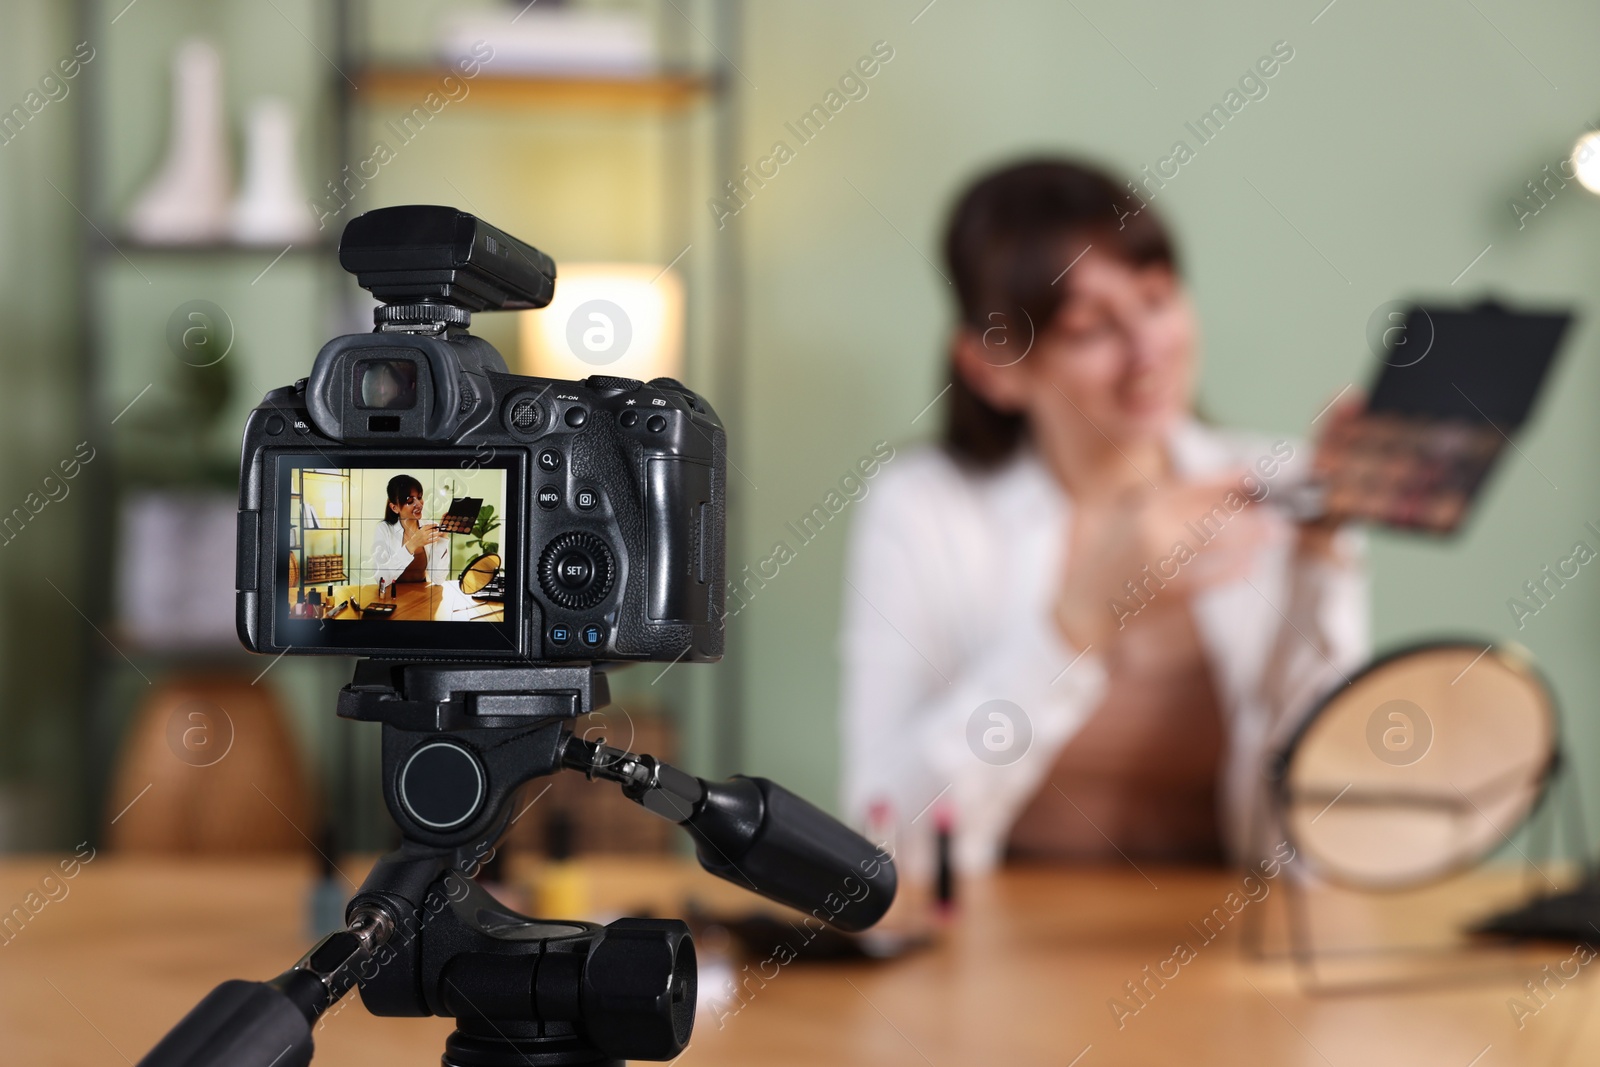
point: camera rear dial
(576, 570)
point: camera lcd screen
(386, 384)
(394, 554)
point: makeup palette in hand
(1455, 385)
(462, 516)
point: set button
(574, 570)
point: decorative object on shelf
(552, 41)
(623, 319)
(328, 568)
(187, 201)
(271, 208)
(209, 745)
(176, 551)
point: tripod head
(424, 939)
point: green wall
(41, 695)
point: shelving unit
(287, 301)
(300, 529)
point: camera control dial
(576, 570)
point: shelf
(662, 92)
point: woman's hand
(1168, 542)
(1317, 539)
(421, 537)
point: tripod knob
(441, 785)
(639, 987)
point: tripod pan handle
(758, 835)
(238, 1024)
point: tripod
(423, 938)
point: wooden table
(422, 602)
(1023, 976)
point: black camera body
(572, 521)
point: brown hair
(1010, 237)
(401, 486)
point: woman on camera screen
(1076, 622)
(404, 548)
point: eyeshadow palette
(462, 515)
(1454, 386)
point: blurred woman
(1075, 622)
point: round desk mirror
(480, 572)
(1419, 768)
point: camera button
(560, 635)
(523, 416)
(593, 634)
(586, 499)
(629, 418)
(550, 460)
(574, 570)
(276, 425)
(657, 423)
(549, 497)
(576, 417)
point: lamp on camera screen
(395, 544)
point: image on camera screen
(403, 544)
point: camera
(414, 499)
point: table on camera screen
(422, 602)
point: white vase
(187, 202)
(272, 206)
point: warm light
(623, 319)
(1586, 161)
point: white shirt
(389, 557)
(952, 575)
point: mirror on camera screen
(392, 543)
(386, 384)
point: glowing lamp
(622, 319)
